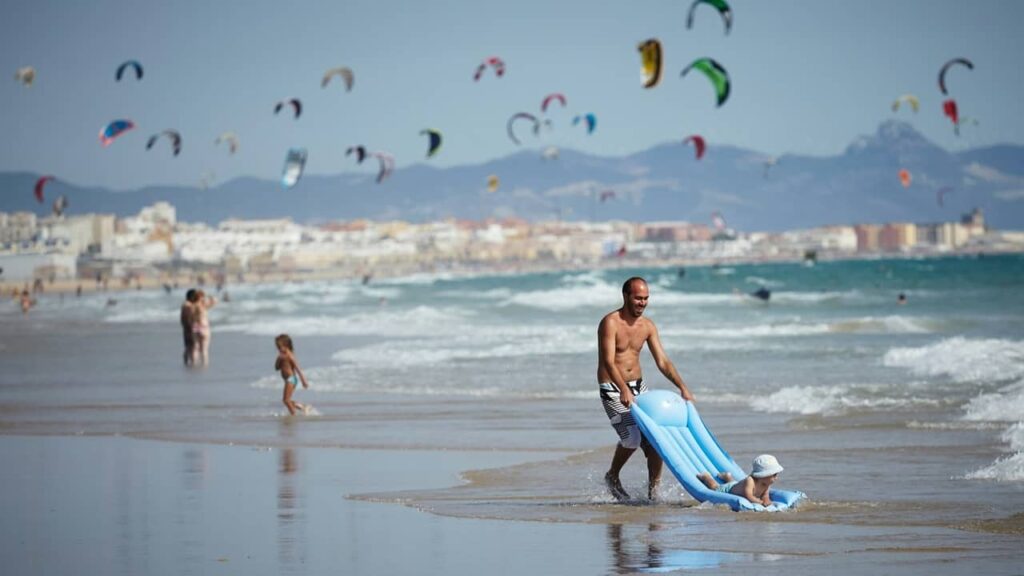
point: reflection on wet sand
(291, 521)
(636, 549)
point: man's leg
(611, 479)
(653, 469)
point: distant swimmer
(111, 302)
(367, 278)
(621, 336)
(901, 299)
(681, 272)
(762, 293)
(288, 365)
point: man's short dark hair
(191, 294)
(627, 286)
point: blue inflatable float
(675, 429)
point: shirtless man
(620, 337)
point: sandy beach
(450, 448)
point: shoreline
(185, 280)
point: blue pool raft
(675, 429)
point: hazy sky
(808, 77)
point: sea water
(502, 360)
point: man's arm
(606, 358)
(665, 365)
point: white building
(17, 227)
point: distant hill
(665, 182)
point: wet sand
(112, 505)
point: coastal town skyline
(154, 241)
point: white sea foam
(418, 321)
(1008, 469)
(342, 379)
(962, 359)
(830, 400)
(492, 294)
(417, 279)
(886, 325)
(813, 297)
(141, 315)
(593, 295)
(795, 327)
(764, 282)
(1005, 405)
(958, 425)
(486, 342)
(750, 331)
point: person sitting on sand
(290, 372)
(754, 487)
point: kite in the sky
(941, 193)
(718, 221)
(945, 68)
(950, 110)
(549, 98)
(231, 138)
(905, 177)
(173, 135)
(589, 119)
(698, 144)
(909, 99)
(650, 62)
(294, 103)
(344, 73)
(360, 152)
(387, 165)
(521, 116)
(26, 75)
(720, 5)
(40, 184)
(112, 131)
(294, 164)
(716, 74)
(435, 141)
(492, 183)
(494, 62)
(134, 65)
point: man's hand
(686, 394)
(626, 397)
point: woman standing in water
(201, 303)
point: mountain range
(750, 189)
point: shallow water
(902, 423)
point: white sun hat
(766, 465)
